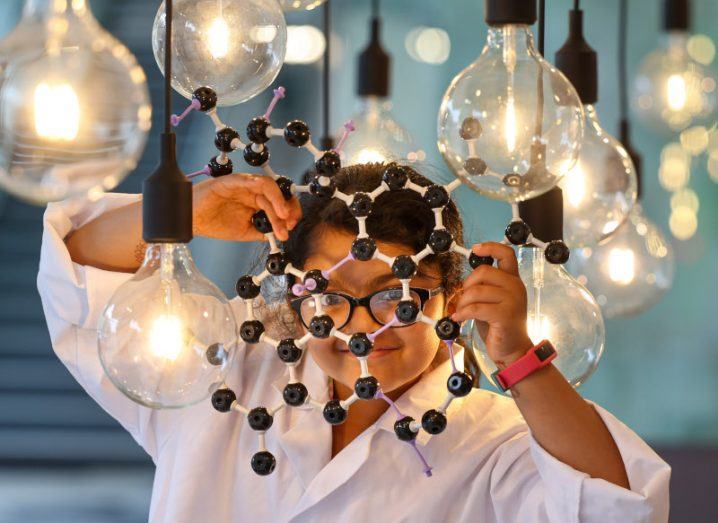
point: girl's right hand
(223, 207)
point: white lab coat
(487, 467)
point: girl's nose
(361, 321)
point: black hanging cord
(541, 25)
(327, 141)
(168, 66)
(576, 5)
(622, 80)
(375, 8)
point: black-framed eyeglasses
(340, 306)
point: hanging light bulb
(236, 47)
(631, 271)
(167, 337)
(378, 136)
(600, 189)
(74, 105)
(559, 308)
(510, 124)
(671, 90)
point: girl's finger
(487, 312)
(295, 212)
(480, 294)
(267, 187)
(488, 275)
(503, 254)
(278, 225)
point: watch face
(544, 351)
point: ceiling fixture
(74, 106)
(167, 336)
(600, 189)
(378, 136)
(631, 271)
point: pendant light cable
(168, 66)
(622, 80)
(539, 77)
(327, 141)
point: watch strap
(535, 358)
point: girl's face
(400, 354)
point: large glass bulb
(600, 189)
(629, 272)
(560, 310)
(167, 336)
(74, 105)
(671, 91)
(236, 47)
(510, 124)
(378, 136)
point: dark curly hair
(400, 217)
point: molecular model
(290, 351)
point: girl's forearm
(568, 427)
(112, 241)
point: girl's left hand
(495, 297)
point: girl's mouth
(376, 353)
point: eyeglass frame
(424, 296)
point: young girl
(543, 455)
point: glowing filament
(57, 112)
(539, 328)
(575, 186)
(510, 124)
(166, 340)
(677, 95)
(218, 40)
(621, 266)
(370, 155)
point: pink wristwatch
(536, 358)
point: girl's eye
(390, 295)
(330, 300)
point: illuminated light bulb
(621, 265)
(305, 44)
(74, 105)
(695, 140)
(671, 91)
(429, 45)
(631, 271)
(300, 5)
(686, 197)
(712, 165)
(683, 223)
(701, 48)
(487, 124)
(57, 112)
(600, 189)
(675, 167)
(236, 47)
(219, 38)
(560, 310)
(378, 136)
(167, 337)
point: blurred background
(63, 459)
